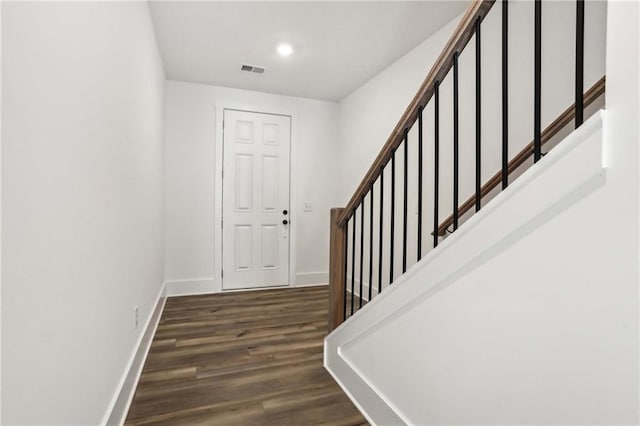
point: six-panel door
(255, 208)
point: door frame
(217, 210)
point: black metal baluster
(346, 263)
(370, 242)
(353, 260)
(405, 200)
(579, 63)
(419, 183)
(537, 136)
(455, 141)
(505, 95)
(393, 211)
(381, 230)
(478, 121)
(361, 251)
(436, 165)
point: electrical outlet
(135, 316)
(308, 207)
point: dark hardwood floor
(245, 358)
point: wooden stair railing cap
(461, 36)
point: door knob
(284, 212)
(285, 221)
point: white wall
(82, 205)
(190, 180)
(368, 115)
(540, 327)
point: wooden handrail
(558, 124)
(457, 42)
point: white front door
(255, 201)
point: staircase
(412, 304)
(347, 223)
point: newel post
(337, 262)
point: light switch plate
(308, 207)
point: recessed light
(285, 49)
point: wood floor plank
(272, 361)
(203, 409)
(242, 358)
(169, 374)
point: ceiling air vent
(252, 68)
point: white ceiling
(338, 46)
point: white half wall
(192, 130)
(82, 188)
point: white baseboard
(312, 278)
(191, 287)
(208, 285)
(119, 407)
